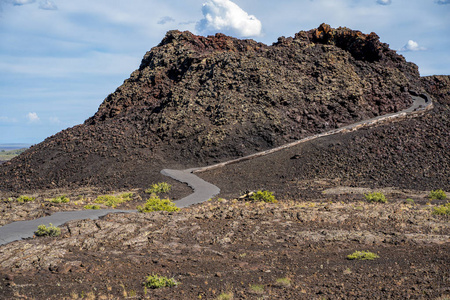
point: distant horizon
(14, 146)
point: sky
(59, 59)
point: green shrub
(437, 195)
(265, 196)
(409, 201)
(156, 282)
(225, 296)
(156, 204)
(257, 288)
(284, 281)
(362, 255)
(442, 210)
(376, 197)
(113, 201)
(51, 230)
(159, 188)
(23, 199)
(127, 196)
(60, 199)
(92, 206)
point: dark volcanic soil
(412, 154)
(196, 100)
(248, 250)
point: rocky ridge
(196, 100)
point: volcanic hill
(197, 100)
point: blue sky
(59, 59)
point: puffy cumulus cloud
(22, 2)
(443, 2)
(48, 5)
(165, 20)
(32, 117)
(412, 46)
(226, 16)
(384, 2)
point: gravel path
(203, 190)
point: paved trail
(203, 191)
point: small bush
(437, 195)
(159, 188)
(23, 199)
(156, 204)
(442, 210)
(225, 296)
(113, 201)
(92, 206)
(51, 230)
(156, 282)
(265, 196)
(362, 255)
(409, 201)
(60, 199)
(376, 197)
(284, 281)
(127, 196)
(257, 288)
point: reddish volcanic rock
(196, 100)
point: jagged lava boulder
(196, 100)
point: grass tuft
(159, 188)
(156, 204)
(60, 199)
(284, 281)
(437, 195)
(376, 197)
(362, 255)
(442, 210)
(156, 282)
(92, 206)
(51, 230)
(23, 199)
(113, 201)
(264, 196)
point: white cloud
(55, 120)
(165, 20)
(22, 2)
(412, 46)
(226, 16)
(48, 5)
(4, 119)
(32, 117)
(384, 2)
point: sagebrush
(362, 255)
(113, 201)
(154, 203)
(51, 230)
(159, 188)
(265, 196)
(437, 195)
(376, 197)
(156, 282)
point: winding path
(203, 190)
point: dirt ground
(287, 250)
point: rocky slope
(409, 154)
(196, 100)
